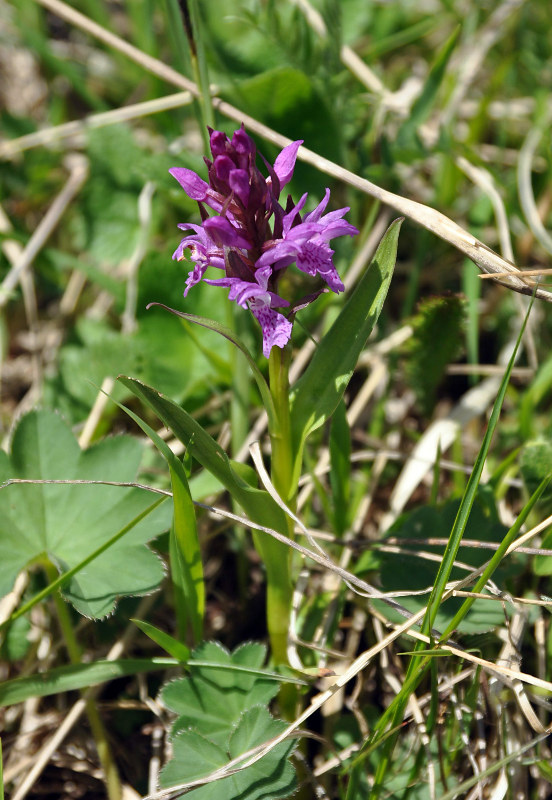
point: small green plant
(435, 343)
(222, 716)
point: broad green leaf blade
(77, 676)
(66, 523)
(213, 697)
(66, 576)
(317, 393)
(271, 777)
(184, 550)
(171, 645)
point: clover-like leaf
(212, 698)
(270, 778)
(65, 523)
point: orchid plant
(251, 235)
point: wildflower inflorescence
(251, 237)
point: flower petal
(223, 233)
(283, 251)
(290, 216)
(194, 186)
(315, 215)
(223, 165)
(238, 181)
(219, 142)
(244, 146)
(275, 327)
(285, 162)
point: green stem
(278, 566)
(113, 782)
(280, 434)
(239, 426)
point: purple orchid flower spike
(251, 237)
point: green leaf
(76, 676)
(536, 462)
(155, 353)
(406, 571)
(434, 343)
(211, 699)
(257, 503)
(270, 778)
(184, 549)
(316, 394)
(340, 468)
(171, 645)
(65, 523)
(468, 499)
(15, 644)
(533, 395)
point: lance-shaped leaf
(184, 550)
(316, 394)
(77, 676)
(66, 522)
(257, 503)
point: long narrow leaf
(171, 645)
(494, 562)
(185, 552)
(468, 499)
(257, 503)
(316, 394)
(77, 676)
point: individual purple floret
(251, 237)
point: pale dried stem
(472, 56)
(78, 166)
(10, 601)
(435, 222)
(95, 415)
(49, 136)
(129, 324)
(482, 178)
(525, 188)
